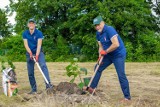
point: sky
(4, 3)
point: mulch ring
(68, 93)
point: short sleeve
(111, 32)
(97, 37)
(40, 35)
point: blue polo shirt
(32, 39)
(105, 38)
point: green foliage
(48, 47)
(74, 70)
(155, 6)
(71, 22)
(5, 27)
(9, 64)
(146, 49)
(2, 64)
(61, 50)
(15, 48)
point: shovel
(97, 67)
(50, 89)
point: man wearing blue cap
(112, 48)
(33, 43)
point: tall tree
(72, 19)
(5, 27)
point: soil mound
(68, 88)
(66, 93)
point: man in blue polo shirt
(33, 43)
(112, 48)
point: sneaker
(125, 100)
(90, 90)
(32, 93)
(49, 86)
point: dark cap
(97, 20)
(31, 20)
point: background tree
(5, 26)
(72, 19)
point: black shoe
(32, 93)
(49, 86)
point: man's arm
(100, 48)
(115, 44)
(39, 44)
(26, 46)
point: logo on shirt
(105, 38)
(34, 37)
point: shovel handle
(97, 67)
(40, 70)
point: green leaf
(81, 85)
(84, 70)
(15, 92)
(74, 68)
(86, 80)
(68, 68)
(69, 74)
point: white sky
(4, 3)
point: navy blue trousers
(119, 63)
(30, 67)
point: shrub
(15, 48)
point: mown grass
(143, 77)
(155, 71)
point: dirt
(68, 88)
(69, 93)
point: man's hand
(31, 55)
(103, 52)
(37, 58)
(99, 58)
